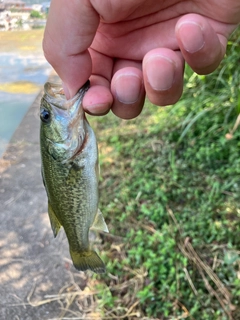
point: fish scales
(70, 174)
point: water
(31, 2)
(21, 78)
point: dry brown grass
(220, 292)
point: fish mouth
(54, 94)
(72, 118)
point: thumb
(69, 32)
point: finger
(112, 11)
(70, 29)
(126, 96)
(202, 42)
(98, 99)
(163, 76)
(127, 89)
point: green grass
(170, 193)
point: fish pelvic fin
(55, 224)
(99, 222)
(87, 260)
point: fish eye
(45, 116)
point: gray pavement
(37, 279)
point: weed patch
(170, 194)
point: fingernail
(98, 109)
(191, 35)
(128, 88)
(160, 72)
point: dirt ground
(37, 279)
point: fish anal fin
(99, 222)
(55, 224)
(87, 260)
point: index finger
(69, 32)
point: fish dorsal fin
(55, 224)
(99, 222)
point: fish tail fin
(85, 260)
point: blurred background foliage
(170, 193)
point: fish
(70, 173)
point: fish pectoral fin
(87, 260)
(99, 222)
(55, 224)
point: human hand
(128, 48)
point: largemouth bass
(70, 173)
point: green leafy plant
(170, 194)
(35, 14)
